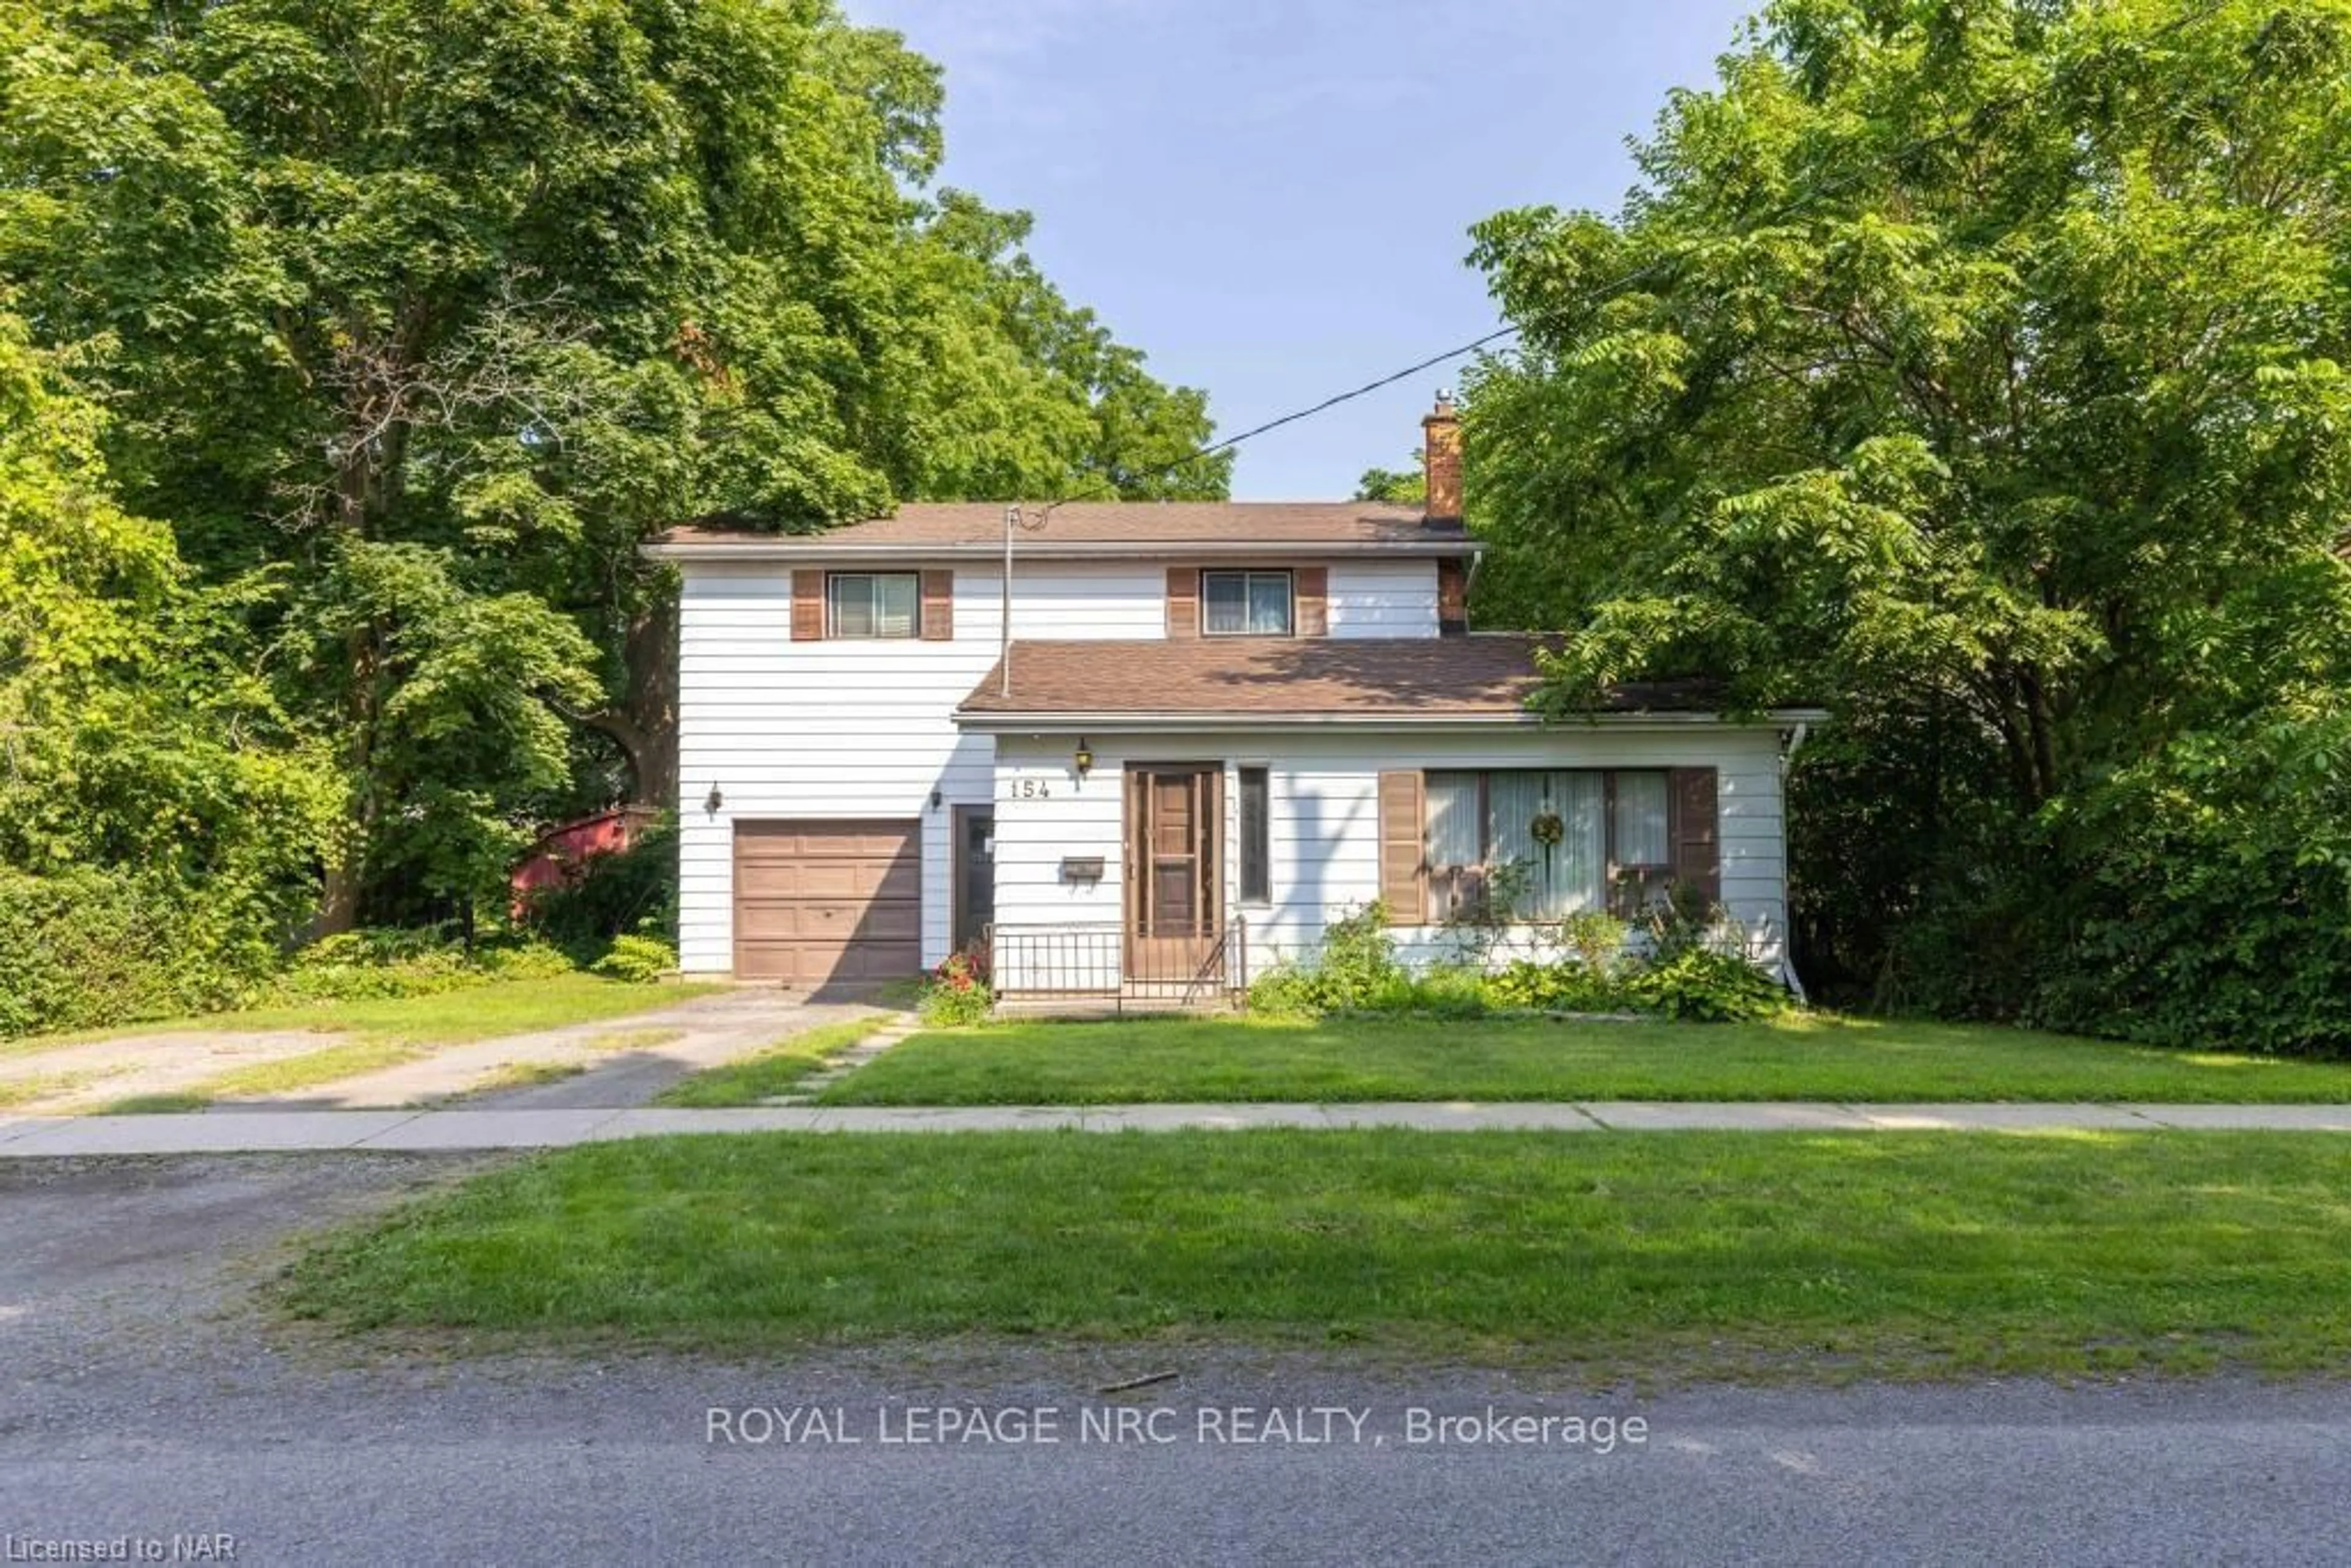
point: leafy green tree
(1398, 486)
(441, 308)
(1977, 368)
(160, 821)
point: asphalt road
(144, 1398)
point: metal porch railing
(1099, 962)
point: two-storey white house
(1205, 730)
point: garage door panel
(835, 921)
(817, 902)
(837, 879)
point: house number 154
(1027, 789)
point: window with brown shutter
(808, 606)
(1313, 591)
(1697, 835)
(938, 606)
(1183, 601)
(1404, 867)
(1614, 839)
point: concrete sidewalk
(279, 1131)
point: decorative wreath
(1547, 828)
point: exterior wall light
(711, 801)
(1084, 760)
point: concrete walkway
(278, 1130)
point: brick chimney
(1440, 457)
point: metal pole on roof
(1004, 617)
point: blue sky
(1270, 197)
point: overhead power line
(1600, 292)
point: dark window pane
(1224, 599)
(1257, 871)
(1268, 603)
(871, 605)
(1245, 603)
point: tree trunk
(339, 909)
(648, 714)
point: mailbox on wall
(1081, 868)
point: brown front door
(1175, 884)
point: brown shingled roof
(1488, 673)
(980, 524)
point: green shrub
(956, 993)
(1570, 986)
(1703, 985)
(1353, 970)
(1597, 937)
(1444, 991)
(525, 959)
(629, 893)
(1685, 922)
(92, 947)
(636, 959)
(1674, 975)
(418, 961)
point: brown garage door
(818, 902)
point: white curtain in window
(852, 605)
(1268, 603)
(897, 600)
(1564, 878)
(1641, 837)
(1225, 602)
(1453, 826)
(1580, 863)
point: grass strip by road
(777, 1069)
(24, 1091)
(1692, 1255)
(265, 1079)
(373, 1035)
(443, 1017)
(1810, 1056)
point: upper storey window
(1246, 603)
(872, 604)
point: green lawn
(1700, 1255)
(1813, 1056)
(775, 1070)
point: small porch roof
(1251, 682)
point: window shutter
(1311, 585)
(1697, 832)
(808, 606)
(1404, 865)
(938, 606)
(1183, 601)
(1452, 597)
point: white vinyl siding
(861, 727)
(1322, 827)
(854, 728)
(1382, 599)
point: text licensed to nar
(893, 1425)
